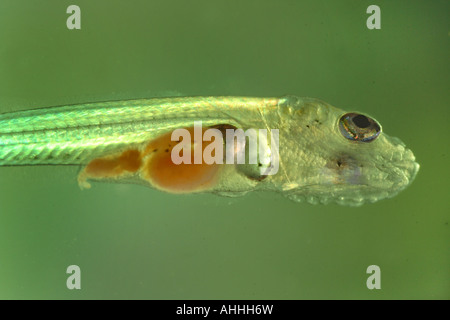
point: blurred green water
(133, 242)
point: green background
(134, 242)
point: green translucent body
(317, 163)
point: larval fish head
(338, 156)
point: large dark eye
(358, 127)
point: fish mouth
(403, 164)
(410, 166)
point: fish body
(322, 158)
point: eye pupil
(361, 121)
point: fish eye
(358, 127)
